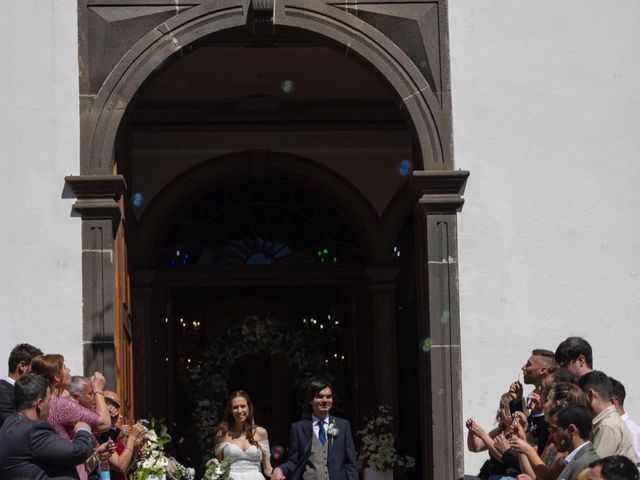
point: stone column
(382, 288)
(97, 205)
(439, 322)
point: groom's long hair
(229, 421)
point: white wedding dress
(245, 464)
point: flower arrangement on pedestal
(153, 463)
(378, 451)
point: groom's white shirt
(316, 427)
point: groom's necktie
(322, 434)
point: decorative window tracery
(259, 223)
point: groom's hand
(277, 474)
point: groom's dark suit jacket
(341, 455)
(32, 449)
(7, 407)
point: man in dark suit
(570, 427)
(320, 448)
(19, 364)
(30, 447)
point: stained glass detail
(259, 223)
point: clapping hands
(501, 444)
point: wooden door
(123, 328)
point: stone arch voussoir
(171, 37)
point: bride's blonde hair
(228, 421)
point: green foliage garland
(209, 380)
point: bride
(242, 442)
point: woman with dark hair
(242, 442)
(64, 411)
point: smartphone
(114, 433)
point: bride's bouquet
(153, 463)
(378, 451)
(217, 470)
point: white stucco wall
(546, 99)
(40, 285)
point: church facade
(214, 195)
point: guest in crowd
(536, 369)
(618, 394)
(126, 444)
(615, 467)
(502, 463)
(29, 447)
(610, 435)
(549, 464)
(81, 390)
(575, 355)
(65, 410)
(571, 427)
(19, 364)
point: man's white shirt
(569, 458)
(316, 426)
(635, 433)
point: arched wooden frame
(145, 239)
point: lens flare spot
(287, 86)
(277, 452)
(426, 345)
(137, 199)
(404, 167)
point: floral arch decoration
(299, 348)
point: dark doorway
(268, 181)
(208, 322)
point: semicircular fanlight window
(259, 223)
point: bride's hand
(276, 474)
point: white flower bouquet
(153, 462)
(217, 470)
(378, 451)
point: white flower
(332, 429)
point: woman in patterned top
(64, 411)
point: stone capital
(97, 195)
(439, 191)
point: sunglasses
(111, 402)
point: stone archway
(414, 94)
(113, 72)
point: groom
(320, 448)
